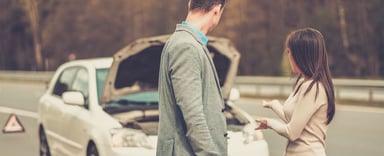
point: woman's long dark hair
(308, 50)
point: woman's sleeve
(304, 109)
(277, 107)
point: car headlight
(250, 134)
(123, 137)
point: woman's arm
(304, 109)
(277, 107)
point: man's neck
(200, 21)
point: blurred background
(39, 35)
(36, 36)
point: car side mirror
(73, 98)
(234, 94)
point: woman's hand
(262, 124)
(266, 104)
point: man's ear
(217, 9)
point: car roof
(97, 63)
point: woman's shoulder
(317, 90)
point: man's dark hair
(205, 5)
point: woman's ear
(287, 50)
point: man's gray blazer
(190, 100)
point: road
(22, 98)
(355, 131)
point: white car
(109, 106)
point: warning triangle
(13, 125)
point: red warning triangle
(13, 125)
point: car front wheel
(44, 148)
(92, 150)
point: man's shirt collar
(203, 38)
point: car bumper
(236, 146)
(124, 151)
(259, 148)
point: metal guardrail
(33, 76)
(364, 91)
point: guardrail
(363, 91)
(33, 76)
(351, 90)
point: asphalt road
(22, 98)
(355, 131)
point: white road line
(18, 112)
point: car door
(77, 118)
(53, 112)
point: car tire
(92, 150)
(43, 147)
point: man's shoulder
(183, 36)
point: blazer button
(226, 134)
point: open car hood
(135, 68)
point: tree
(32, 12)
(48, 31)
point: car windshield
(145, 98)
(140, 111)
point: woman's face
(294, 67)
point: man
(190, 100)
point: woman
(311, 106)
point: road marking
(18, 112)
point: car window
(101, 75)
(64, 81)
(80, 82)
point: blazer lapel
(213, 69)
